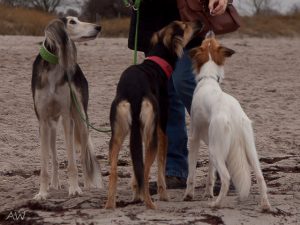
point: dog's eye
(72, 22)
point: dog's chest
(206, 99)
(53, 99)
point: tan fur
(166, 35)
(209, 48)
(147, 119)
(161, 163)
(121, 129)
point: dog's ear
(227, 52)
(193, 52)
(64, 20)
(56, 32)
(155, 38)
(199, 56)
(177, 45)
(177, 41)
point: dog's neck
(210, 70)
(51, 48)
(163, 52)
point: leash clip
(130, 4)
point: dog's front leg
(54, 178)
(209, 189)
(72, 167)
(162, 158)
(45, 147)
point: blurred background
(261, 18)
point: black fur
(146, 80)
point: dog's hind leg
(225, 180)
(161, 162)
(68, 124)
(192, 162)
(209, 189)
(45, 149)
(54, 178)
(219, 147)
(254, 162)
(120, 123)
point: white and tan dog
(53, 67)
(218, 119)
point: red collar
(164, 65)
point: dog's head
(210, 50)
(80, 31)
(60, 34)
(176, 35)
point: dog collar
(209, 77)
(48, 56)
(164, 65)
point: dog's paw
(74, 190)
(163, 195)
(265, 205)
(93, 184)
(110, 205)
(207, 195)
(41, 196)
(55, 185)
(214, 204)
(188, 197)
(137, 198)
(151, 205)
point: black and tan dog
(141, 107)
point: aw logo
(16, 215)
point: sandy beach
(264, 75)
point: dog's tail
(136, 146)
(60, 43)
(91, 166)
(237, 162)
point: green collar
(48, 56)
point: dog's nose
(210, 34)
(98, 28)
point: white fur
(218, 119)
(81, 31)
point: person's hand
(217, 7)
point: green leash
(53, 59)
(136, 7)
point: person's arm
(217, 7)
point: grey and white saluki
(51, 94)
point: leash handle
(136, 7)
(136, 36)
